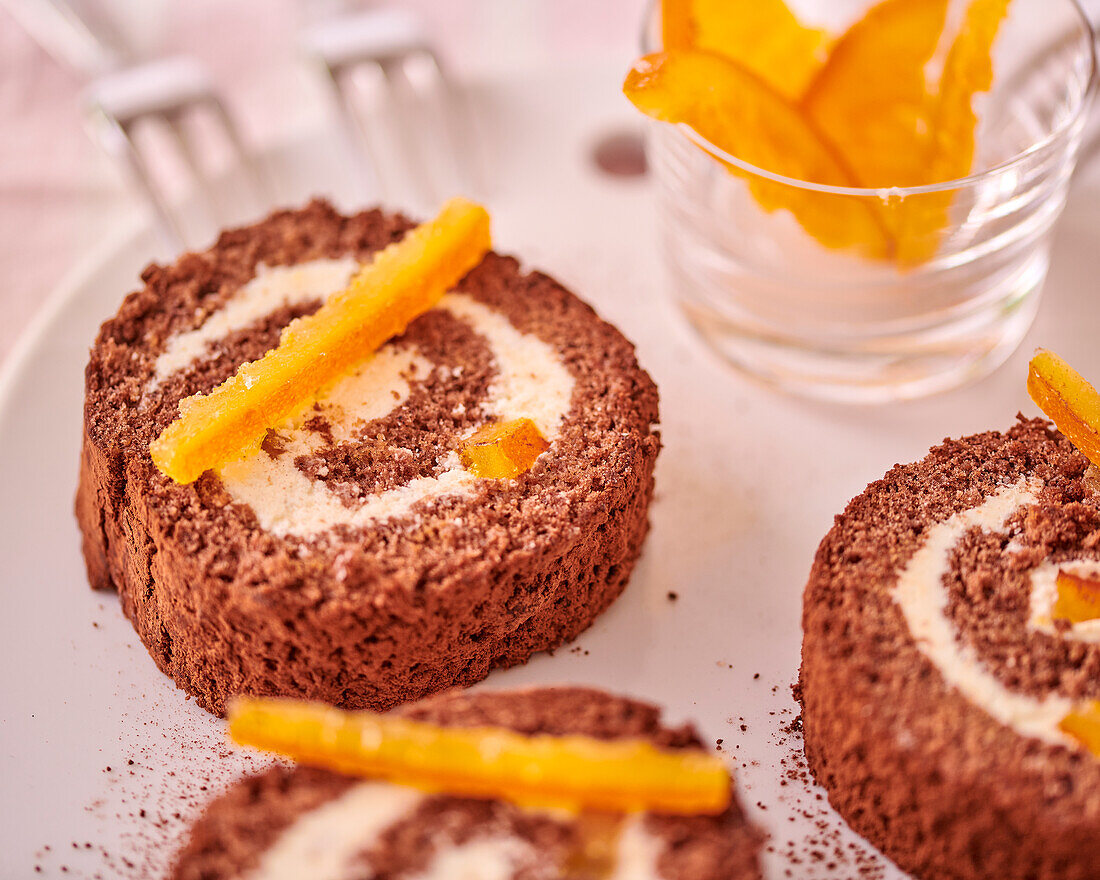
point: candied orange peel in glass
(873, 100)
(1083, 724)
(570, 772)
(871, 97)
(1078, 597)
(402, 282)
(504, 450)
(762, 35)
(741, 114)
(867, 103)
(1068, 399)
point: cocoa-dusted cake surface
(959, 769)
(361, 614)
(236, 830)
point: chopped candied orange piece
(1078, 597)
(1083, 724)
(595, 849)
(763, 35)
(738, 112)
(1068, 400)
(504, 450)
(573, 772)
(871, 98)
(401, 283)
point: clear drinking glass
(839, 325)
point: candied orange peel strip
(1068, 400)
(968, 69)
(504, 450)
(1083, 724)
(871, 97)
(398, 285)
(740, 113)
(1078, 597)
(572, 772)
(762, 35)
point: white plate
(748, 483)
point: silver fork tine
(188, 152)
(388, 39)
(459, 121)
(357, 137)
(434, 111)
(263, 190)
(406, 129)
(115, 140)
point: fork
(382, 55)
(129, 103)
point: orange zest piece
(1068, 400)
(572, 772)
(400, 284)
(762, 35)
(1083, 725)
(738, 112)
(503, 451)
(871, 97)
(1078, 597)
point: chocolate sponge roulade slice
(353, 559)
(943, 687)
(308, 822)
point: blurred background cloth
(60, 196)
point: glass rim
(883, 193)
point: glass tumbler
(845, 325)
